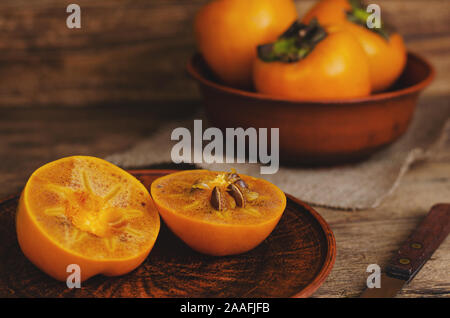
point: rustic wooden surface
(32, 137)
(292, 262)
(372, 237)
(135, 51)
(136, 56)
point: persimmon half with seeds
(311, 62)
(218, 213)
(227, 33)
(384, 47)
(85, 211)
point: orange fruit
(310, 62)
(228, 31)
(85, 211)
(385, 48)
(387, 58)
(218, 213)
(328, 12)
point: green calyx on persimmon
(294, 44)
(359, 15)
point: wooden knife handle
(422, 243)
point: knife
(414, 253)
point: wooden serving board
(292, 262)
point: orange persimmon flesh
(85, 211)
(183, 200)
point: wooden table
(132, 54)
(32, 137)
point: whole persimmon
(385, 48)
(218, 213)
(228, 32)
(309, 62)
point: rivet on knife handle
(419, 247)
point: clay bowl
(318, 132)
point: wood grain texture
(382, 231)
(292, 262)
(134, 52)
(31, 137)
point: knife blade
(414, 253)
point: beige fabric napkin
(350, 187)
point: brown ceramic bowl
(318, 132)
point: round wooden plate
(292, 262)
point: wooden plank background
(133, 52)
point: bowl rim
(371, 98)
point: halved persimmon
(218, 213)
(85, 211)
